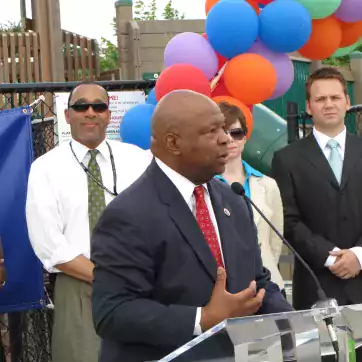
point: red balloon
(182, 76)
(264, 2)
(220, 89)
(222, 60)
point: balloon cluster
(243, 56)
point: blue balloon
(136, 126)
(285, 26)
(151, 98)
(232, 27)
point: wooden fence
(19, 58)
(19, 63)
(81, 59)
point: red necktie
(206, 225)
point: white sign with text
(119, 103)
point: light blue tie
(335, 159)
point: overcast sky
(92, 18)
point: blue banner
(23, 288)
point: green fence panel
(351, 124)
(296, 93)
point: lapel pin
(227, 212)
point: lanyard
(100, 184)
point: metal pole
(292, 121)
(23, 14)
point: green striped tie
(96, 198)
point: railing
(81, 56)
(112, 74)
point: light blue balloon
(136, 126)
(151, 98)
(285, 26)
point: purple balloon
(282, 64)
(349, 11)
(193, 49)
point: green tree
(343, 61)
(170, 13)
(11, 27)
(147, 10)
(143, 10)
(108, 54)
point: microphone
(239, 190)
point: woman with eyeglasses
(260, 188)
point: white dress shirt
(57, 199)
(322, 141)
(186, 189)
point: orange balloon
(245, 109)
(255, 5)
(325, 39)
(210, 3)
(250, 78)
(351, 33)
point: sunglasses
(237, 134)
(83, 107)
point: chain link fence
(26, 336)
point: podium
(299, 336)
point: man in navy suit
(177, 252)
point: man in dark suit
(320, 179)
(162, 247)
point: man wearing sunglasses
(68, 189)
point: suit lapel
(227, 232)
(314, 154)
(183, 218)
(351, 156)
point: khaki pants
(74, 338)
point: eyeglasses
(83, 107)
(237, 134)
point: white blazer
(265, 194)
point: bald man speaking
(177, 252)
